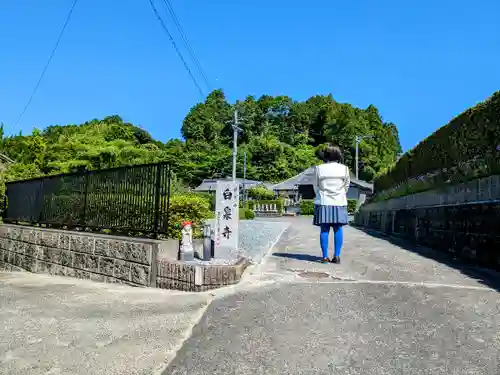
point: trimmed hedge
(246, 214)
(351, 206)
(306, 207)
(210, 197)
(188, 207)
(260, 193)
(466, 148)
(278, 202)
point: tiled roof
(306, 178)
(211, 184)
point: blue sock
(323, 239)
(339, 239)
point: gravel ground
(256, 238)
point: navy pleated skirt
(330, 215)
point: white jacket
(331, 184)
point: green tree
(209, 121)
(280, 136)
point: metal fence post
(157, 200)
(85, 193)
(40, 207)
(167, 214)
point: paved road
(64, 326)
(384, 310)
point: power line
(186, 41)
(48, 62)
(175, 47)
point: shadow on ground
(484, 276)
(297, 256)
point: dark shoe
(325, 261)
(336, 260)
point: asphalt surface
(386, 309)
(56, 325)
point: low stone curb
(198, 277)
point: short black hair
(332, 153)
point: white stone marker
(226, 216)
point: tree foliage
(280, 138)
(96, 144)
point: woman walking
(330, 206)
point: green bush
(210, 197)
(260, 193)
(278, 202)
(351, 206)
(306, 207)
(188, 207)
(246, 214)
(464, 149)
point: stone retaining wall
(466, 224)
(78, 254)
(479, 190)
(105, 258)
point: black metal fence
(125, 199)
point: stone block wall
(464, 223)
(484, 189)
(78, 254)
(112, 259)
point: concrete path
(385, 310)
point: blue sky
(420, 62)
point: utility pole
(358, 139)
(236, 129)
(244, 176)
(357, 163)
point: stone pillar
(207, 242)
